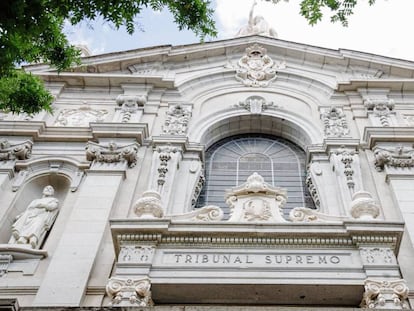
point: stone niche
(255, 263)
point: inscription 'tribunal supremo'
(254, 259)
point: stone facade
(125, 153)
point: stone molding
(178, 117)
(15, 151)
(112, 153)
(256, 68)
(334, 122)
(256, 201)
(129, 292)
(394, 156)
(385, 294)
(149, 205)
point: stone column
(67, 276)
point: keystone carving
(363, 206)
(390, 295)
(334, 122)
(255, 104)
(112, 153)
(177, 120)
(256, 68)
(19, 151)
(256, 201)
(129, 292)
(149, 205)
(399, 156)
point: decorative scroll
(129, 292)
(129, 105)
(149, 205)
(18, 151)
(256, 201)
(334, 122)
(303, 214)
(390, 295)
(81, 116)
(255, 104)
(363, 206)
(395, 156)
(381, 108)
(256, 68)
(206, 213)
(177, 120)
(112, 153)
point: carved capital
(334, 121)
(177, 119)
(256, 201)
(112, 153)
(15, 151)
(390, 295)
(129, 292)
(363, 206)
(149, 205)
(256, 68)
(395, 156)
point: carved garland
(112, 153)
(17, 151)
(399, 156)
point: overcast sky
(385, 28)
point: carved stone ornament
(18, 151)
(129, 105)
(256, 201)
(129, 292)
(81, 116)
(177, 120)
(334, 122)
(304, 214)
(381, 108)
(409, 119)
(256, 68)
(397, 156)
(363, 206)
(163, 155)
(206, 213)
(5, 261)
(313, 190)
(256, 104)
(377, 256)
(136, 254)
(389, 295)
(31, 226)
(112, 153)
(149, 205)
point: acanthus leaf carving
(112, 153)
(334, 121)
(177, 120)
(129, 292)
(256, 68)
(385, 294)
(395, 156)
(15, 151)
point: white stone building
(251, 171)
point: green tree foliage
(312, 10)
(31, 31)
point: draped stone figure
(31, 226)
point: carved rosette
(136, 254)
(18, 151)
(129, 292)
(363, 206)
(256, 201)
(177, 120)
(398, 156)
(149, 205)
(382, 108)
(256, 68)
(390, 295)
(112, 153)
(334, 121)
(256, 104)
(129, 105)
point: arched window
(230, 161)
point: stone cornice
(373, 135)
(400, 85)
(347, 234)
(38, 131)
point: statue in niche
(31, 226)
(256, 26)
